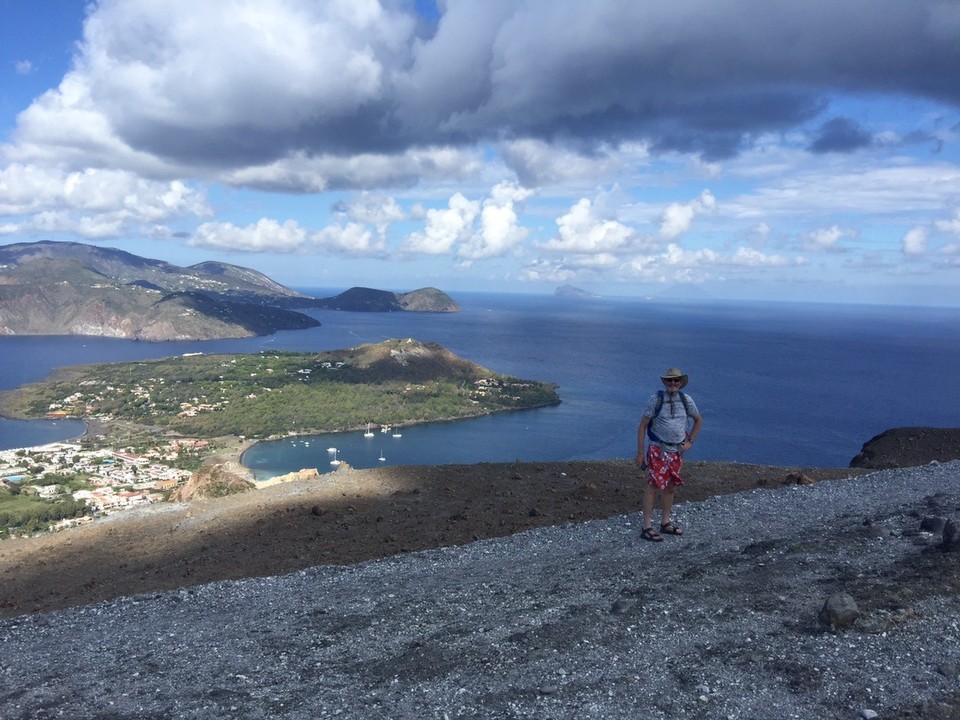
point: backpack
(659, 406)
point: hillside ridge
(62, 288)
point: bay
(778, 383)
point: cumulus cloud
(296, 78)
(499, 227)
(373, 209)
(267, 235)
(584, 230)
(350, 239)
(914, 242)
(93, 203)
(678, 217)
(445, 227)
(264, 235)
(827, 239)
(473, 230)
(548, 270)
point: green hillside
(396, 382)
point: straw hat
(676, 373)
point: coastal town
(103, 480)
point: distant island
(272, 394)
(361, 299)
(64, 288)
(571, 291)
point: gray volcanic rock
(907, 447)
(564, 622)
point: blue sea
(778, 383)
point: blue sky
(796, 150)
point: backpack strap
(656, 411)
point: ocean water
(786, 384)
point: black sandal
(651, 535)
(669, 528)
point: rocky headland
(361, 299)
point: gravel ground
(576, 621)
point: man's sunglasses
(673, 380)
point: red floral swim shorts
(663, 468)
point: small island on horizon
(574, 292)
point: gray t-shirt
(672, 424)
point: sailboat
(369, 432)
(335, 460)
(397, 434)
(381, 458)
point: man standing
(671, 422)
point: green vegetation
(277, 393)
(66, 483)
(21, 513)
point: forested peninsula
(271, 394)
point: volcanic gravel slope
(582, 620)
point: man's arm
(641, 434)
(694, 431)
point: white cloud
(678, 218)
(265, 235)
(950, 226)
(23, 67)
(351, 239)
(544, 270)
(268, 65)
(374, 209)
(472, 230)
(827, 239)
(583, 230)
(93, 203)
(93, 227)
(797, 189)
(499, 230)
(706, 258)
(445, 228)
(676, 255)
(914, 242)
(748, 257)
